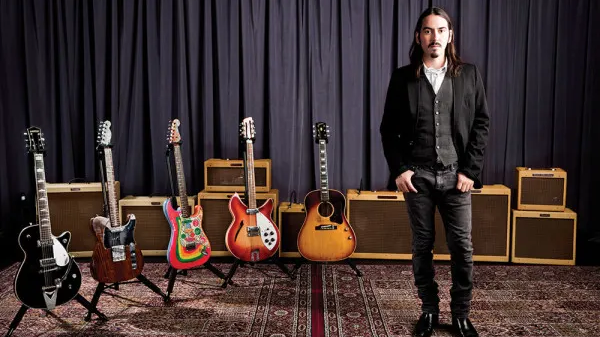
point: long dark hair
(416, 52)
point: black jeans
(438, 188)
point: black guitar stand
(115, 286)
(239, 262)
(15, 322)
(172, 273)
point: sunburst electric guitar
(325, 235)
(116, 256)
(188, 246)
(48, 276)
(252, 235)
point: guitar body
(251, 237)
(326, 235)
(188, 246)
(116, 257)
(30, 281)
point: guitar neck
(324, 183)
(250, 166)
(181, 181)
(112, 195)
(42, 203)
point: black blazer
(470, 121)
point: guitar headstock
(34, 140)
(104, 134)
(321, 132)
(247, 131)
(173, 135)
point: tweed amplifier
(541, 189)
(217, 217)
(380, 222)
(290, 219)
(225, 175)
(490, 209)
(544, 237)
(71, 208)
(152, 230)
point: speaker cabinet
(490, 209)
(290, 219)
(152, 230)
(225, 175)
(544, 237)
(541, 189)
(71, 208)
(380, 222)
(217, 217)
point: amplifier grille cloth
(544, 238)
(381, 227)
(72, 212)
(542, 191)
(234, 176)
(152, 230)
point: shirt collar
(436, 71)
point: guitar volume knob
(350, 237)
(346, 229)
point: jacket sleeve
(478, 136)
(391, 131)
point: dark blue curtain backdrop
(65, 65)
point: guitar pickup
(253, 231)
(190, 245)
(326, 227)
(252, 211)
(49, 262)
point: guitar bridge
(326, 227)
(118, 253)
(253, 231)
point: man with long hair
(434, 132)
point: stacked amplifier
(223, 178)
(543, 229)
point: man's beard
(434, 55)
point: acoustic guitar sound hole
(325, 209)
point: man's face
(434, 36)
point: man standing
(434, 132)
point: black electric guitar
(48, 276)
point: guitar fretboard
(181, 181)
(323, 171)
(112, 195)
(250, 165)
(42, 201)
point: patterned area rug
(508, 300)
(263, 302)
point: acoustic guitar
(325, 234)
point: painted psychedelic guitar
(48, 276)
(252, 235)
(325, 234)
(116, 256)
(188, 246)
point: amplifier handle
(387, 197)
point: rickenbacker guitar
(252, 236)
(325, 234)
(116, 256)
(48, 275)
(188, 246)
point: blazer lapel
(413, 97)
(458, 90)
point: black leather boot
(425, 324)
(464, 328)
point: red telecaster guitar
(325, 235)
(188, 246)
(252, 235)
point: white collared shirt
(436, 76)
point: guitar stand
(15, 322)
(239, 262)
(348, 261)
(102, 287)
(172, 273)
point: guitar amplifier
(217, 217)
(71, 208)
(380, 222)
(152, 230)
(490, 209)
(290, 219)
(541, 189)
(225, 175)
(544, 237)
